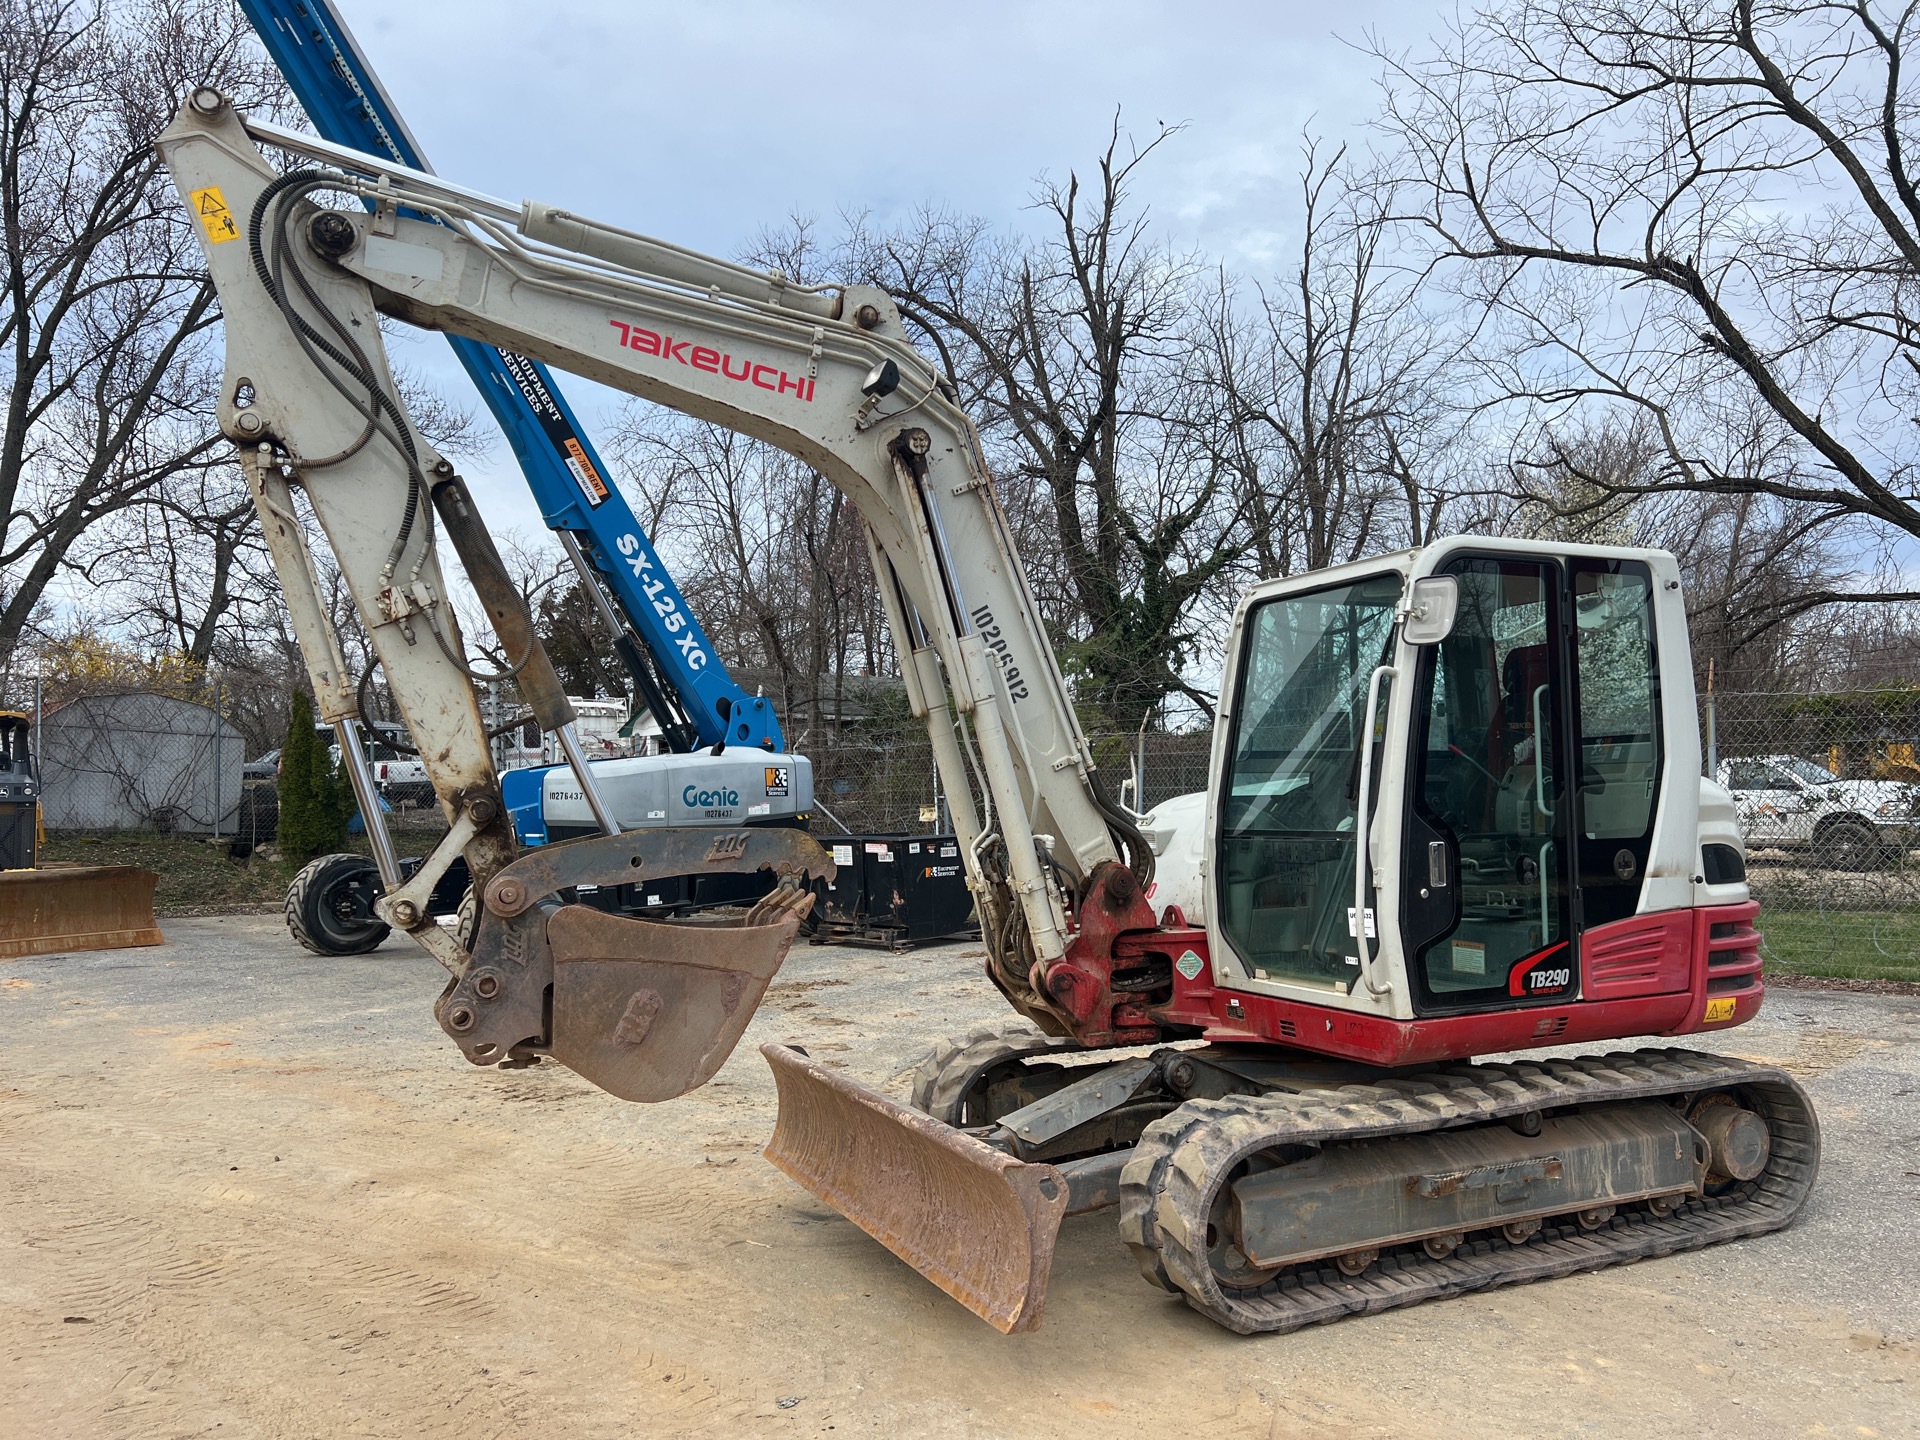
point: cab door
(1534, 777)
(1488, 908)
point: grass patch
(199, 878)
(195, 878)
(1846, 944)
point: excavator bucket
(978, 1223)
(648, 1011)
(76, 907)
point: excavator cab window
(1617, 678)
(1289, 799)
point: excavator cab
(1456, 810)
(1531, 786)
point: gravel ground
(245, 1191)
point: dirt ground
(248, 1192)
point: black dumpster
(19, 793)
(933, 885)
(841, 902)
(898, 890)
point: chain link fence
(890, 785)
(1827, 788)
(141, 761)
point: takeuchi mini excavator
(1455, 810)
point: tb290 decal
(1551, 972)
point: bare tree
(1623, 190)
(1757, 570)
(104, 304)
(1069, 351)
(771, 557)
(1338, 422)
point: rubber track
(941, 1081)
(1168, 1187)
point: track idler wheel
(1738, 1141)
(950, 1083)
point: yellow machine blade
(76, 907)
(978, 1223)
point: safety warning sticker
(559, 430)
(215, 218)
(1719, 1009)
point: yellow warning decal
(1721, 1009)
(211, 206)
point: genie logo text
(717, 803)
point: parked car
(400, 777)
(1787, 803)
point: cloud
(704, 123)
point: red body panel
(1646, 975)
(1640, 955)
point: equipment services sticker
(1190, 965)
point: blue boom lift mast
(674, 669)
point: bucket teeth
(976, 1222)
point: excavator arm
(307, 264)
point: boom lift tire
(330, 906)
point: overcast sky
(702, 123)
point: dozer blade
(648, 1011)
(978, 1223)
(76, 907)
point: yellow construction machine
(49, 908)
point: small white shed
(139, 761)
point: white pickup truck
(400, 775)
(1789, 803)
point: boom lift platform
(1455, 810)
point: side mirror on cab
(1428, 611)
